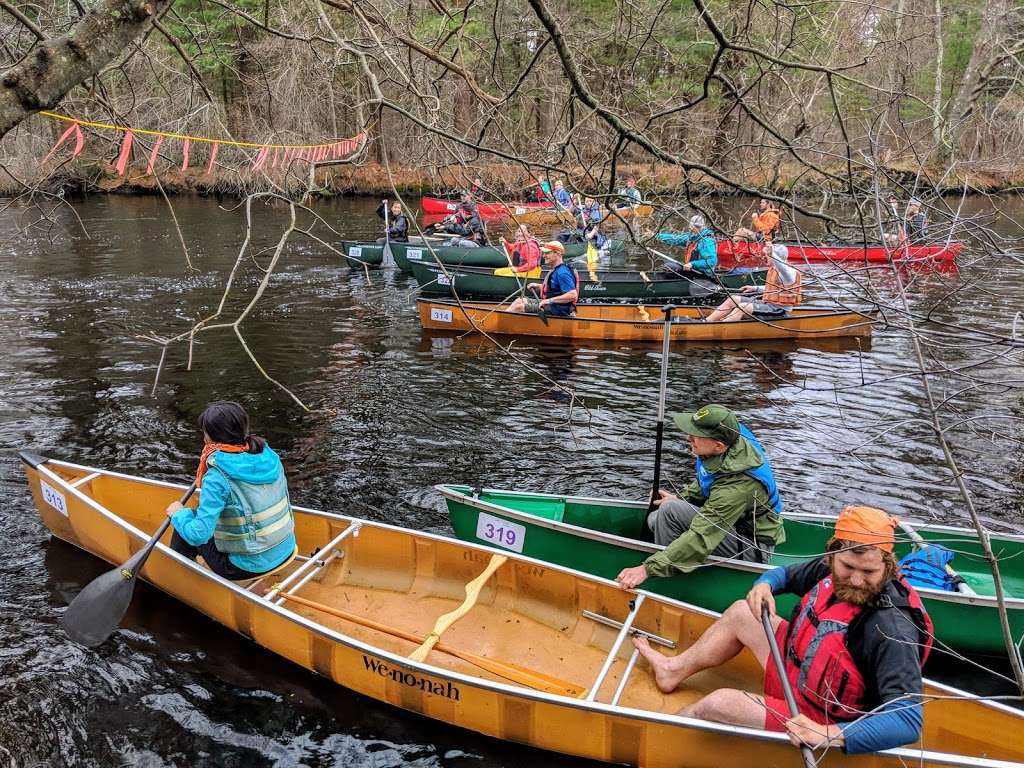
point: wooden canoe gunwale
(446, 490)
(903, 755)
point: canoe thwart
(310, 568)
(633, 631)
(634, 608)
(472, 595)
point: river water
(394, 411)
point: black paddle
(780, 668)
(645, 531)
(97, 610)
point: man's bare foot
(665, 676)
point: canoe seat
(250, 583)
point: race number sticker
(443, 279)
(520, 211)
(414, 254)
(452, 206)
(355, 251)
(441, 315)
(500, 532)
(54, 498)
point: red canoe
(730, 253)
(442, 206)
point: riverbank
(505, 180)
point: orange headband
(867, 525)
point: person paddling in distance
(766, 222)
(853, 648)
(560, 289)
(699, 242)
(732, 509)
(523, 255)
(244, 525)
(779, 294)
(397, 224)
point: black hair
(225, 421)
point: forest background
(691, 96)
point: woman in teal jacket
(699, 242)
(244, 525)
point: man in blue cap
(732, 509)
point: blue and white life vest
(926, 567)
(762, 473)
(256, 518)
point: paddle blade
(98, 609)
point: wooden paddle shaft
(787, 690)
(473, 589)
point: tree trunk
(986, 46)
(57, 65)
(937, 104)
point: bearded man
(853, 648)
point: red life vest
(821, 671)
(525, 255)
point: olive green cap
(714, 421)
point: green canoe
(601, 536)
(489, 256)
(481, 282)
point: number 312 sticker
(500, 532)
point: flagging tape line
(187, 137)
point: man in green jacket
(732, 509)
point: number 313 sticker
(500, 532)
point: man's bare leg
(728, 705)
(736, 630)
(723, 310)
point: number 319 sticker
(500, 532)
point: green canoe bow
(601, 536)
(481, 282)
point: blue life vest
(926, 567)
(763, 474)
(256, 518)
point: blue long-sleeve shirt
(707, 249)
(899, 720)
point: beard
(858, 596)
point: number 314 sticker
(500, 532)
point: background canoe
(609, 284)
(435, 205)
(529, 613)
(601, 536)
(492, 256)
(626, 322)
(535, 217)
(738, 253)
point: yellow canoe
(540, 216)
(632, 322)
(525, 662)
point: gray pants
(674, 518)
(461, 242)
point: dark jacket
(398, 229)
